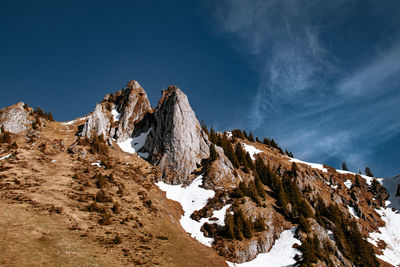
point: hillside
(130, 184)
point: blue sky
(321, 77)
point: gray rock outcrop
(15, 119)
(220, 173)
(99, 122)
(176, 142)
(133, 107)
(116, 116)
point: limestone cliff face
(115, 117)
(176, 142)
(220, 173)
(99, 122)
(133, 107)
(15, 119)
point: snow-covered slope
(391, 186)
(389, 234)
(192, 198)
(281, 254)
(312, 165)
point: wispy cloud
(368, 78)
(285, 45)
(305, 96)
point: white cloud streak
(303, 95)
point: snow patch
(367, 178)
(252, 150)
(281, 254)
(192, 198)
(353, 212)
(388, 233)
(348, 184)
(116, 115)
(312, 165)
(220, 215)
(133, 144)
(73, 121)
(6, 156)
(331, 235)
(97, 164)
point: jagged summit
(176, 142)
(116, 116)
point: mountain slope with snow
(193, 196)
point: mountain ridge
(254, 183)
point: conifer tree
(204, 127)
(368, 172)
(213, 136)
(251, 138)
(213, 152)
(357, 181)
(253, 192)
(239, 224)
(344, 166)
(303, 224)
(229, 226)
(243, 188)
(241, 156)
(249, 161)
(260, 187)
(245, 134)
(294, 170)
(259, 224)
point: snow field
(312, 165)
(251, 149)
(132, 145)
(193, 198)
(281, 254)
(388, 233)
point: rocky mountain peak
(116, 116)
(133, 85)
(132, 108)
(176, 142)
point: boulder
(15, 119)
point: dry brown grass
(48, 215)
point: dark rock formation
(379, 192)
